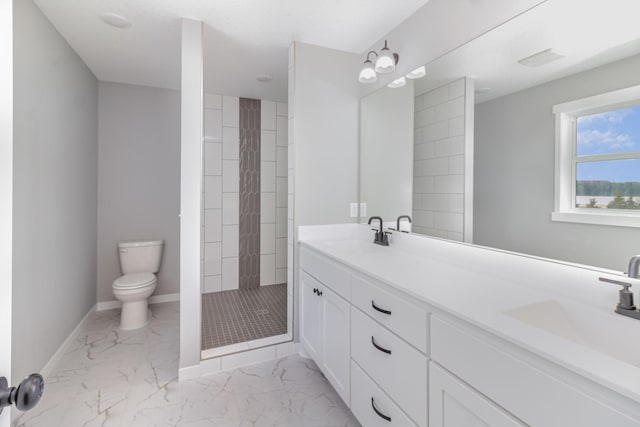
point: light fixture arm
(370, 52)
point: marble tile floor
(116, 378)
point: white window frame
(566, 116)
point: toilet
(139, 262)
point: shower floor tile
(239, 315)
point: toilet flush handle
(123, 251)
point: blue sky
(611, 132)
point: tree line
(607, 188)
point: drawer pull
(381, 310)
(382, 349)
(377, 411)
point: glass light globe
(399, 82)
(367, 73)
(385, 63)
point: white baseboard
(53, 361)
(155, 299)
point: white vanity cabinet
(453, 403)
(398, 361)
(325, 328)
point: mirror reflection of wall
(521, 70)
(386, 161)
(414, 141)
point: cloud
(605, 139)
(612, 117)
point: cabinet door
(310, 316)
(336, 315)
(454, 404)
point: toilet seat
(134, 281)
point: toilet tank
(140, 257)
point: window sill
(614, 219)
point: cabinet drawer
(366, 395)
(528, 392)
(399, 369)
(405, 319)
(328, 272)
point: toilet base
(135, 315)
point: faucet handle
(626, 296)
(626, 285)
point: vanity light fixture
(368, 74)
(397, 83)
(386, 62)
(417, 73)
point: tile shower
(244, 220)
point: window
(598, 159)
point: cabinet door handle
(315, 290)
(377, 411)
(375, 344)
(319, 293)
(381, 310)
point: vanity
(430, 332)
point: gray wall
(138, 178)
(326, 121)
(55, 182)
(514, 174)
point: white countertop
(483, 286)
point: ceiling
(590, 33)
(243, 38)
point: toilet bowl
(139, 262)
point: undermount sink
(600, 332)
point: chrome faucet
(625, 306)
(400, 218)
(381, 237)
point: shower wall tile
(230, 239)
(230, 176)
(250, 196)
(212, 284)
(213, 125)
(268, 115)
(281, 192)
(212, 225)
(213, 158)
(281, 222)
(267, 239)
(212, 259)
(222, 192)
(230, 208)
(281, 131)
(281, 253)
(230, 274)
(282, 109)
(230, 143)
(268, 177)
(267, 269)
(268, 145)
(231, 111)
(281, 162)
(268, 208)
(212, 192)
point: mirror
(483, 151)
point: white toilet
(139, 262)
